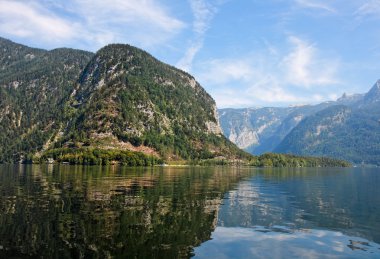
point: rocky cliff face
(248, 128)
(373, 95)
(261, 130)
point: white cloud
(371, 8)
(186, 62)
(120, 13)
(314, 4)
(274, 90)
(203, 13)
(228, 98)
(28, 19)
(88, 24)
(222, 71)
(267, 93)
(305, 68)
(303, 74)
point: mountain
(350, 132)
(249, 128)
(351, 99)
(261, 130)
(127, 98)
(373, 96)
(118, 103)
(34, 85)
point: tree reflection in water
(67, 211)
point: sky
(245, 53)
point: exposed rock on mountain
(348, 128)
(350, 132)
(260, 130)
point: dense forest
(279, 160)
(34, 86)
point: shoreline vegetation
(94, 156)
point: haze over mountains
(348, 128)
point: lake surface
(66, 211)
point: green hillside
(345, 132)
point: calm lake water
(103, 212)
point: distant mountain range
(348, 128)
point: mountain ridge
(343, 129)
(344, 132)
(119, 98)
(118, 105)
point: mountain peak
(348, 99)
(374, 94)
(118, 48)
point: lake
(63, 211)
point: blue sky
(245, 53)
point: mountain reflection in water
(101, 212)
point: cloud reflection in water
(283, 242)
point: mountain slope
(34, 85)
(118, 105)
(344, 132)
(261, 130)
(127, 99)
(249, 128)
(74, 105)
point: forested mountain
(117, 105)
(348, 128)
(260, 130)
(128, 99)
(350, 132)
(91, 108)
(34, 86)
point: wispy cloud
(369, 8)
(186, 62)
(203, 13)
(29, 19)
(88, 24)
(315, 4)
(303, 74)
(305, 68)
(223, 71)
(146, 22)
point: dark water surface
(104, 212)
